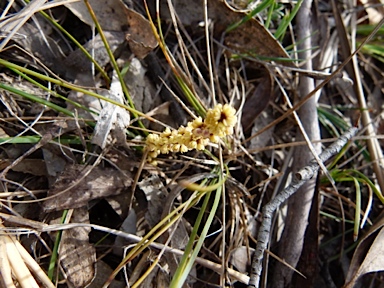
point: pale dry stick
(5, 268)
(6, 9)
(302, 176)
(33, 265)
(46, 6)
(12, 25)
(18, 267)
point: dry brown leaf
(250, 37)
(257, 102)
(76, 255)
(79, 66)
(10, 27)
(129, 226)
(113, 15)
(35, 167)
(263, 139)
(140, 37)
(240, 258)
(109, 13)
(141, 87)
(156, 194)
(103, 271)
(54, 161)
(367, 257)
(84, 183)
(41, 46)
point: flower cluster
(218, 123)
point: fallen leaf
(103, 10)
(138, 31)
(257, 102)
(155, 193)
(140, 86)
(367, 257)
(54, 163)
(240, 257)
(46, 49)
(140, 37)
(128, 226)
(84, 183)
(261, 121)
(76, 255)
(103, 271)
(35, 167)
(251, 37)
(78, 65)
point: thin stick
(302, 176)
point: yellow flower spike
(219, 122)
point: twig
(302, 176)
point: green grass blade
(190, 254)
(374, 50)
(53, 93)
(55, 250)
(287, 20)
(371, 185)
(36, 139)
(263, 5)
(36, 99)
(356, 225)
(328, 119)
(269, 15)
(10, 65)
(366, 30)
